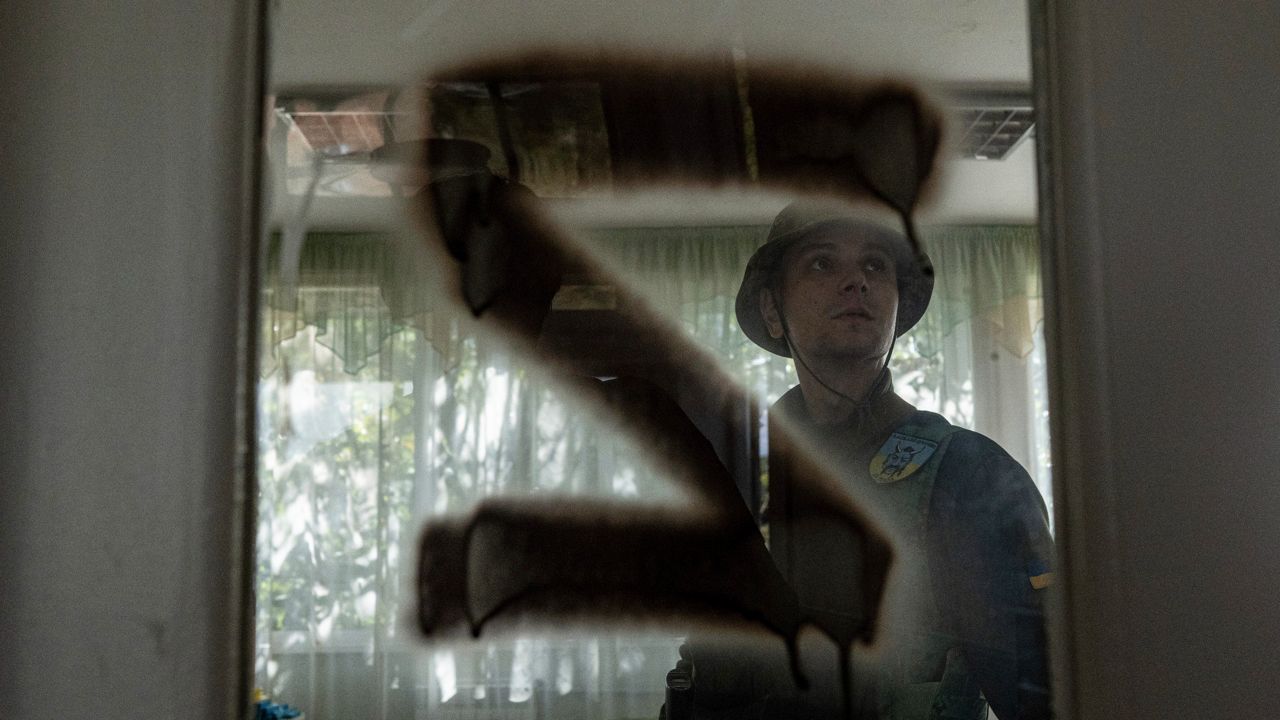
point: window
(387, 408)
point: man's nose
(854, 281)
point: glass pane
(567, 411)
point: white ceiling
(940, 44)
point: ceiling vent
(991, 131)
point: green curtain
(358, 289)
(989, 272)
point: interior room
(381, 406)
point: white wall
(1163, 126)
(123, 138)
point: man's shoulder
(935, 428)
(928, 420)
(979, 478)
(961, 441)
(969, 458)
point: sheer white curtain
(977, 356)
(378, 410)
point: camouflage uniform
(973, 558)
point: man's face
(839, 296)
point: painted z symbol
(520, 559)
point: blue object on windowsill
(267, 710)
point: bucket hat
(803, 219)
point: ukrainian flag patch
(1040, 575)
(900, 456)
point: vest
(920, 673)
(924, 675)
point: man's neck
(834, 393)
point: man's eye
(820, 263)
(876, 265)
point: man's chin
(849, 354)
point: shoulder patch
(900, 456)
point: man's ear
(769, 310)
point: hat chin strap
(860, 406)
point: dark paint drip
(846, 677)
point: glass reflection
(385, 403)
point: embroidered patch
(900, 456)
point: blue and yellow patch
(1039, 574)
(900, 456)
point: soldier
(833, 289)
